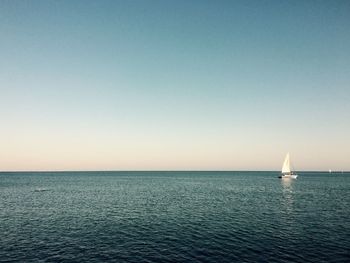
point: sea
(174, 217)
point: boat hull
(288, 176)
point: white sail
(286, 165)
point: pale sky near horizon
(174, 85)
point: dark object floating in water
(41, 190)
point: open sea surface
(174, 217)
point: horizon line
(79, 171)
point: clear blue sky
(174, 84)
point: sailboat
(286, 169)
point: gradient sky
(174, 85)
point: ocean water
(174, 217)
